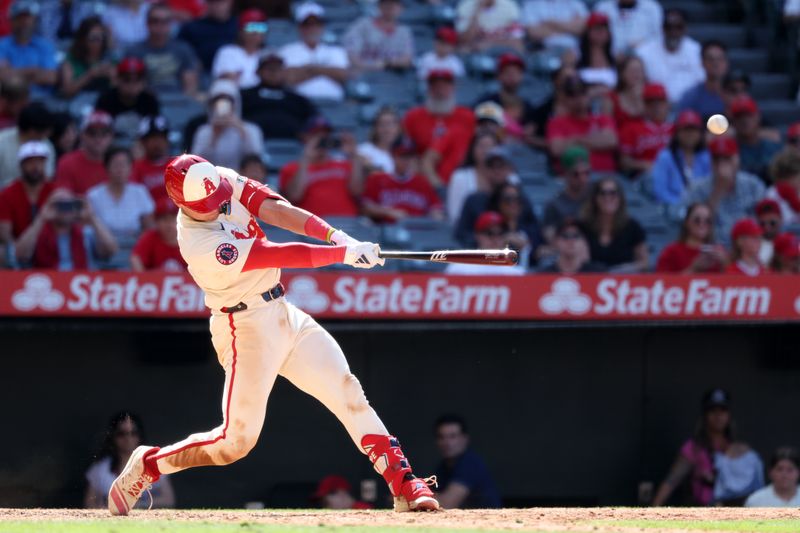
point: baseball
(717, 124)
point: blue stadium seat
(278, 152)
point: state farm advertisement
(333, 295)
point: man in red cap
(83, 168)
(239, 61)
(746, 242)
(768, 215)
(730, 192)
(443, 56)
(440, 129)
(380, 42)
(755, 151)
(518, 112)
(786, 259)
(334, 492)
(640, 141)
(129, 100)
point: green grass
(744, 526)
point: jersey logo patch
(227, 254)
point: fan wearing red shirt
(576, 125)
(149, 170)
(440, 129)
(83, 168)
(390, 197)
(317, 182)
(694, 251)
(157, 249)
(641, 140)
(746, 238)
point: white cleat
(131, 483)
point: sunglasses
(493, 233)
(570, 235)
(700, 220)
(508, 198)
(768, 223)
(608, 192)
(255, 27)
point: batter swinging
(258, 335)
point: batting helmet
(194, 183)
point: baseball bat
(475, 257)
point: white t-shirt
(464, 182)
(766, 497)
(460, 269)
(501, 15)
(298, 54)
(678, 71)
(430, 61)
(791, 8)
(378, 158)
(632, 27)
(126, 27)
(217, 250)
(232, 58)
(123, 215)
(536, 12)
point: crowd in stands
(631, 91)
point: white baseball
(717, 124)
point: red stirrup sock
(388, 459)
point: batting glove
(340, 238)
(363, 255)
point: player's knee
(235, 447)
(354, 394)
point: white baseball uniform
(255, 345)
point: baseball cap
(743, 105)
(487, 219)
(269, 55)
(654, 91)
(746, 227)
(688, 118)
(572, 156)
(404, 146)
(716, 398)
(440, 74)
(165, 206)
(723, 146)
(767, 205)
(156, 125)
(509, 59)
(793, 132)
(596, 19)
(447, 35)
(307, 11)
(787, 245)
(490, 111)
(32, 149)
(253, 20)
(97, 118)
(24, 7)
(131, 65)
(329, 485)
(316, 124)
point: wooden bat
(475, 257)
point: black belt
(273, 294)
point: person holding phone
(695, 251)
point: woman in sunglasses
(123, 435)
(695, 250)
(87, 66)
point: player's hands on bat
(363, 255)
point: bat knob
(513, 256)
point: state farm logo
(304, 293)
(37, 291)
(565, 296)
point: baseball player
(257, 334)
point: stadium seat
(278, 152)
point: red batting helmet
(194, 183)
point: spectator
(186, 10)
(14, 96)
(489, 118)
(684, 162)
(784, 472)
(464, 479)
(225, 138)
(522, 228)
(208, 34)
(705, 98)
(377, 151)
(698, 458)
(127, 20)
(64, 136)
(785, 172)
(632, 22)
(596, 63)
(157, 248)
(641, 141)
(334, 492)
(566, 205)
(65, 235)
(318, 182)
(129, 101)
(125, 432)
(786, 256)
(149, 169)
(542, 113)
(443, 56)
(674, 59)
(316, 70)
(746, 238)
(768, 215)
(253, 167)
(616, 240)
(27, 55)
(627, 100)
(171, 65)
(695, 250)
(440, 129)
(280, 112)
(239, 61)
(555, 24)
(755, 152)
(792, 135)
(380, 43)
(730, 192)
(483, 24)
(489, 234)
(572, 251)
(574, 124)
(87, 66)
(517, 111)
(735, 85)
(403, 192)
(83, 168)
(33, 125)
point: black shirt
(146, 105)
(281, 113)
(470, 471)
(207, 35)
(621, 248)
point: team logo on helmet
(209, 186)
(227, 254)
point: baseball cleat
(131, 483)
(415, 495)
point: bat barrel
(476, 257)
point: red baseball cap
(509, 59)
(688, 118)
(597, 19)
(447, 35)
(329, 485)
(97, 118)
(487, 220)
(723, 146)
(440, 74)
(767, 205)
(794, 131)
(746, 227)
(743, 105)
(251, 15)
(131, 65)
(404, 146)
(787, 245)
(654, 91)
